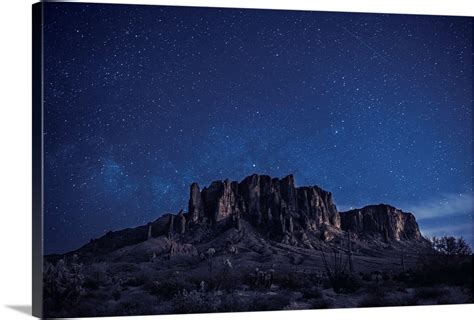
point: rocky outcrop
(181, 221)
(381, 221)
(221, 200)
(275, 205)
(195, 203)
(279, 208)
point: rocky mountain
(276, 206)
(279, 208)
(276, 209)
(381, 220)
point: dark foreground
(252, 274)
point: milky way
(141, 101)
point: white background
(15, 154)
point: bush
(439, 269)
(167, 288)
(136, 304)
(374, 300)
(123, 267)
(320, 304)
(430, 293)
(312, 293)
(345, 283)
(450, 246)
(367, 277)
(95, 277)
(195, 302)
(274, 302)
(63, 285)
(233, 303)
(134, 281)
(336, 270)
(116, 294)
(291, 281)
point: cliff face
(271, 203)
(276, 208)
(381, 220)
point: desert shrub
(432, 293)
(167, 288)
(116, 294)
(345, 283)
(435, 269)
(136, 304)
(450, 263)
(273, 302)
(374, 300)
(386, 276)
(449, 245)
(320, 304)
(63, 284)
(233, 303)
(90, 308)
(195, 302)
(123, 267)
(160, 289)
(133, 281)
(95, 277)
(375, 296)
(312, 293)
(291, 280)
(365, 276)
(402, 276)
(454, 299)
(225, 279)
(340, 279)
(315, 278)
(248, 278)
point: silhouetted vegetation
(337, 272)
(451, 246)
(63, 284)
(450, 263)
(216, 282)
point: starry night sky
(141, 101)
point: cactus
(336, 272)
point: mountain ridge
(304, 216)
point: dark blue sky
(140, 101)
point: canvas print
(194, 160)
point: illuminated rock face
(381, 221)
(278, 207)
(269, 203)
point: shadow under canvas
(25, 309)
